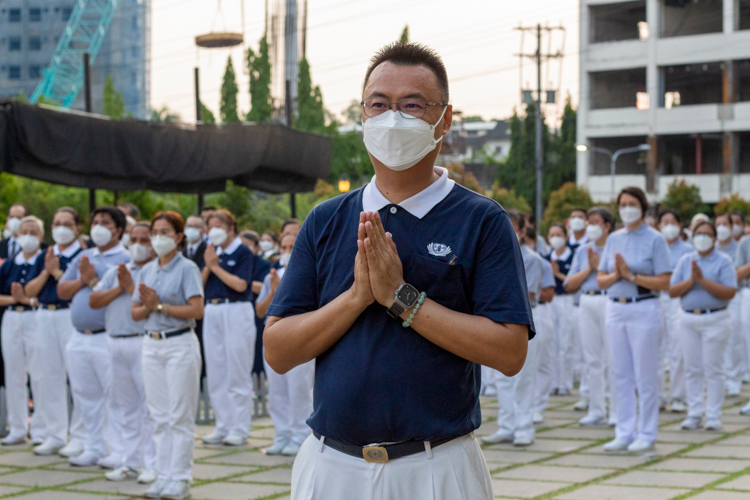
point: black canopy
(89, 151)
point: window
(35, 71)
(14, 43)
(35, 15)
(35, 43)
(66, 13)
(14, 15)
(14, 72)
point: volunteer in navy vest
(561, 258)
(20, 336)
(577, 224)
(742, 263)
(593, 301)
(399, 291)
(515, 395)
(545, 334)
(228, 330)
(670, 225)
(290, 400)
(9, 245)
(260, 271)
(114, 292)
(169, 297)
(734, 362)
(634, 267)
(55, 327)
(705, 281)
(269, 245)
(194, 249)
(87, 352)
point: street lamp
(344, 184)
(613, 156)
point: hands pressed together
(621, 268)
(593, 256)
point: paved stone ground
(566, 463)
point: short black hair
(132, 210)
(516, 218)
(530, 233)
(578, 209)
(665, 211)
(207, 207)
(561, 226)
(290, 222)
(705, 223)
(727, 215)
(604, 213)
(638, 193)
(115, 213)
(737, 213)
(412, 54)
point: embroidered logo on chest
(438, 249)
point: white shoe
(37, 441)
(713, 424)
(213, 438)
(538, 418)
(523, 441)
(11, 440)
(71, 449)
(733, 390)
(85, 459)
(498, 437)
(745, 410)
(616, 445)
(691, 424)
(290, 450)
(148, 476)
(111, 461)
(582, 405)
(592, 421)
(640, 446)
(677, 406)
(276, 448)
(121, 474)
(47, 448)
(156, 488)
(234, 440)
(176, 490)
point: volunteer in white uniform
(545, 335)
(55, 327)
(634, 267)
(289, 395)
(705, 281)
(228, 330)
(578, 237)
(114, 292)
(561, 258)
(169, 297)
(87, 351)
(742, 263)
(670, 226)
(20, 336)
(593, 302)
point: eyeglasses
(409, 108)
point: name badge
(231, 262)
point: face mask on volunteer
(14, 225)
(630, 215)
(399, 143)
(266, 245)
(737, 230)
(577, 224)
(139, 253)
(125, 240)
(100, 235)
(703, 242)
(192, 234)
(723, 233)
(594, 232)
(670, 231)
(284, 259)
(557, 242)
(217, 236)
(63, 235)
(28, 243)
(162, 244)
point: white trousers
(91, 382)
(229, 346)
(55, 331)
(563, 318)
(19, 339)
(744, 294)
(704, 341)
(515, 395)
(671, 313)
(734, 360)
(453, 471)
(596, 354)
(545, 335)
(130, 395)
(633, 331)
(171, 369)
(577, 360)
(290, 402)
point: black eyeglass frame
(398, 106)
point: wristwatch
(160, 308)
(406, 297)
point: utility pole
(289, 105)
(87, 95)
(198, 120)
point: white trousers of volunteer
(734, 360)
(55, 331)
(290, 402)
(455, 470)
(91, 383)
(171, 373)
(545, 335)
(229, 345)
(563, 317)
(129, 393)
(596, 354)
(19, 339)
(671, 311)
(745, 319)
(704, 341)
(633, 331)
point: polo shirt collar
(418, 205)
(564, 255)
(112, 251)
(21, 260)
(234, 245)
(640, 229)
(177, 257)
(68, 252)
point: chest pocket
(441, 281)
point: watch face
(408, 295)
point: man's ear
(447, 120)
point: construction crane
(84, 33)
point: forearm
(261, 307)
(501, 346)
(234, 282)
(139, 311)
(718, 290)
(547, 294)
(681, 288)
(606, 280)
(658, 282)
(560, 276)
(295, 340)
(67, 289)
(743, 272)
(205, 272)
(256, 287)
(34, 287)
(574, 282)
(102, 298)
(7, 300)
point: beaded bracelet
(407, 323)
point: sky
(476, 39)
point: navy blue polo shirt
(48, 295)
(564, 262)
(18, 270)
(237, 259)
(260, 269)
(381, 382)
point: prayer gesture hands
(696, 272)
(385, 271)
(593, 260)
(148, 296)
(51, 262)
(621, 268)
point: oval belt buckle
(697, 311)
(622, 300)
(375, 454)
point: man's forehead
(389, 79)
(103, 217)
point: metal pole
(539, 145)
(87, 95)
(288, 106)
(198, 119)
(612, 162)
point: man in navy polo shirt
(396, 397)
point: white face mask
(125, 240)
(399, 143)
(14, 225)
(594, 232)
(192, 234)
(737, 230)
(140, 253)
(577, 224)
(670, 231)
(217, 236)
(703, 242)
(100, 235)
(630, 215)
(28, 243)
(557, 242)
(723, 233)
(284, 259)
(7, 233)
(63, 235)
(162, 244)
(266, 245)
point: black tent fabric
(88, 151)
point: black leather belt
(704, 311)
(630, 300)
(92, 332)
(594, 292)
(20, 308)
(54, 307)
(126, 336)
(381, 453)
(167, 335)
(216, 302)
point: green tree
(685, 199)
(562, 201)
(229, 90)
(259, 68)
(732, 203)
(404, 38)
(207, 115)
(349, 156)
(508, 198)
(311, 115)
(164, 115)
(114, 106)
